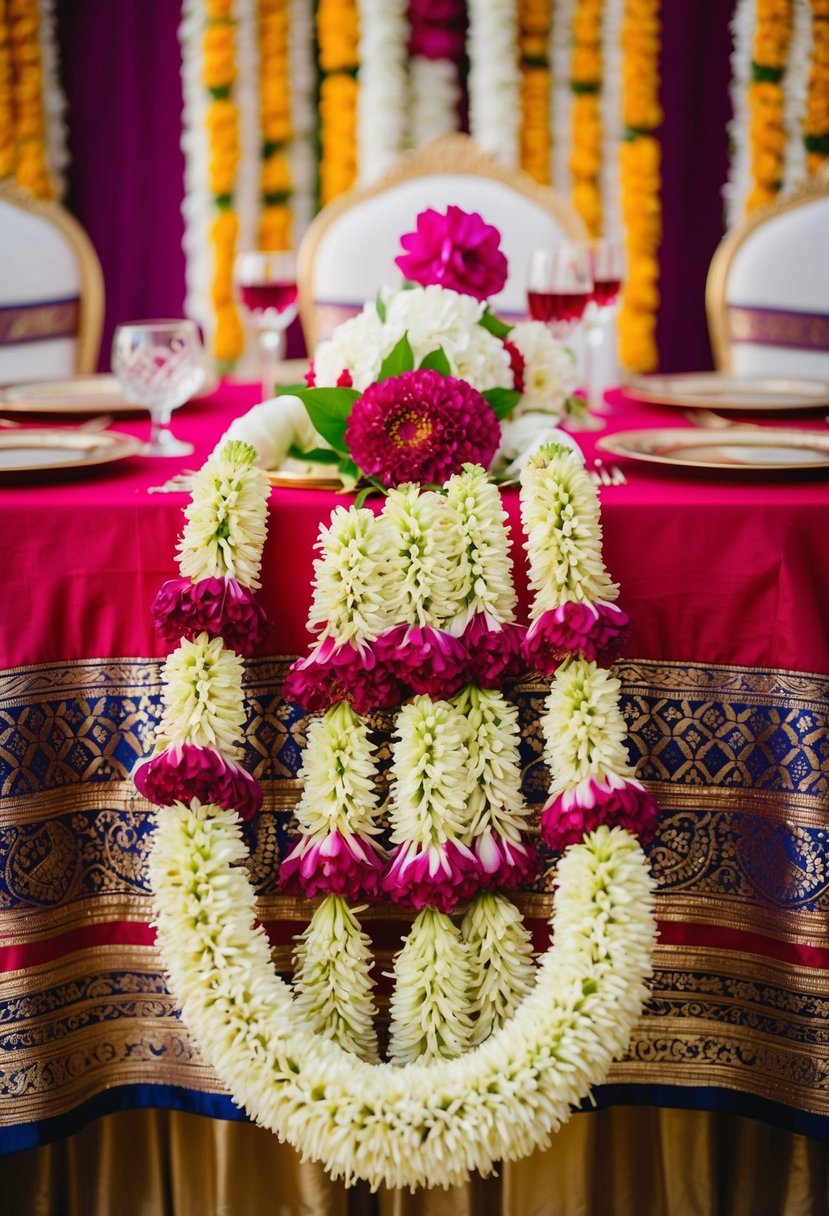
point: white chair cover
(768, 291)
(50, 292)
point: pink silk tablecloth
(725, 694)
(720, 570)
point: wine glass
(268, 291)
(559, 284)
(608, 262)
(159, 364)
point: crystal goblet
(159, 364)
(267, 287)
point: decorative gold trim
(715, 304)
(91, 318)
(453, 153)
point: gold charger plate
(296, 481)
(51, 450)
(738, 450)
(77, 395)
(716, 391)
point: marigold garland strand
(25, 85)
(639, 159)
(276, 183)
(536, 82)
(767, 137)
(816, 121)
(586, 86)
(6, 113)
(338, 38)
(222, 123)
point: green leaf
(436, 361)
(314, 455)
(328, 409)
(289, 390)
(380, 305)
(494, 324)
(349, 469)
(398, 361)
(502, 400)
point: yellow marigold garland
(640, 157)
(338, 37)
(222, 123)
(6, 115)
(23, 148)
(816, 119)
(275, 118)
(534, 135)
(586, 84)
(767, 137)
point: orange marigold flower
(229, 335)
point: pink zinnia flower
(616, 801)
(594, 631)
(495, 651)
(332, 673)
(440, 875)
(425, 659)
(420, 426)
(457, 251)
(219, 607)
(183, 772)
(502, 862)
(336, 864)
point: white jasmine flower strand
(429, 1018)
(424, 1124)
(351, 579)
(202, 695)
(500, 959)
(495, 801)
(332, 979)
(560, 513)
(227, 518)
(338, 774)
(422, 551)
(431, 781)
(583, 727)
(483, 563)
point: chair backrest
(349, 249)
(767, 296)
(51, 290)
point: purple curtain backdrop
(121, 75)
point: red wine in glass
(262, 297)
(605, 292)
(557, 306)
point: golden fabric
(621, 1162)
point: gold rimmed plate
(717, 391)
(51, 450)
(298, 481)
(76, 395)
(742, 451)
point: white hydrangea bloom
(550, 369)
(359, 345)
(583, 727)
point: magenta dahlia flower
(441, 875)
(594, 631)
(219, 607)
(504, 863)
(332, 673)
(425, 659)
(495, 651)
(336, 864)
(420, 426)
(616, 801)
(183, 772)
(457, 250)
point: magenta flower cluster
(623, 803)
(219, 607)
(458, 251)
(183, 771)
(420, 426)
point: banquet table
(726, 699)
